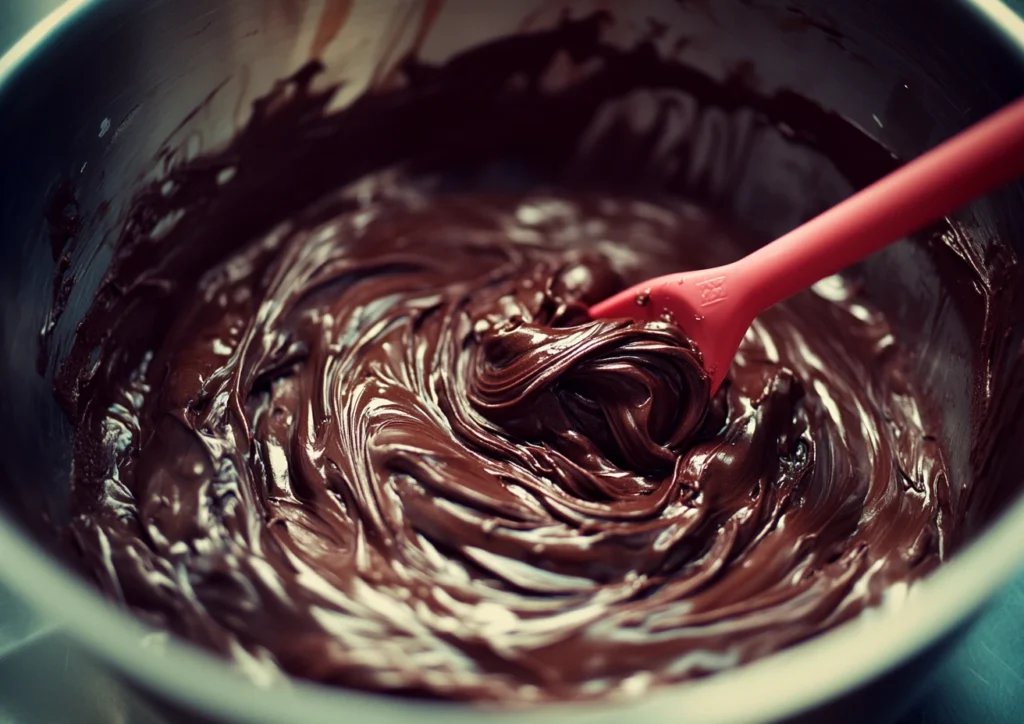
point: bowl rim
(786, 683)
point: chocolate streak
(368, 434)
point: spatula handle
(972, 163)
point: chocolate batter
(365, 432)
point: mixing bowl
(90, 98)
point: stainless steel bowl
(97, 87)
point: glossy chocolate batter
(366, 433)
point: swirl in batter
(387, 448)
(364, 432)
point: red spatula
(716, 306)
